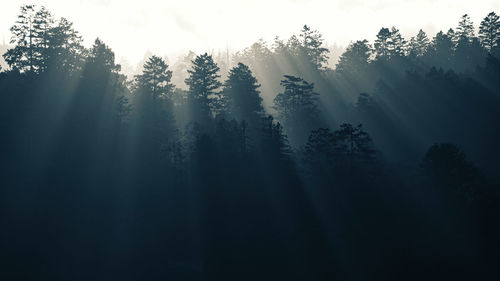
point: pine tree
(242, 95)
(22, 56)
(397, 44)
(203, 84)
(102, 57)
(468, 50)
(154, 107)
(441, 49)
(419, 45)
(465, 30)
(355, 57)
(489, 31)
(66, 50)
(312, 42)
(333, 150)
(383, 44)
(155, 78)
(43, 23)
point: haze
(172, 27)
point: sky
(171, 27)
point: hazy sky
(167, 27)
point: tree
(442, 44)
(203, 84)
(154, 109)
(489, 31)
(383, 44)
(465, 30)
(353, 143)
(312, 42)
(441, 49)
(102, 58)
(297, 106)
(43, 23)
(355, 57)
(468, 50)
(397, 44)
(419, 45)
(22, 56)
(66, 50)
(294, 47)
(242, 95)
(327, 151)
(155, 78)
(256, 56)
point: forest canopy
(266, 164)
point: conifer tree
(397, 44)
(43, 23)
(465, 30)
(312, 42)
(383, 44)
(155, 78)
(489, 32)
(203, 84)
(67, 53)
(355, 57)
(419, 44)
(242, 95)
(23, 55)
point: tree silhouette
(154, 108)
(23, 55)
(441, 49)
(465, 30)
(102, 57)
(340, 152)
(419, 45)
(155, 78)
(43, 23)
(312, 43)
(242, 95)
(397, 44)
(383, 44)
(489, 31)
(203, 84)
(355, 58)
(66, 51)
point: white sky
(168, 27)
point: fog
(170, 28)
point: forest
(268, 164)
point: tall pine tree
(203, 84)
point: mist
(249, 140)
